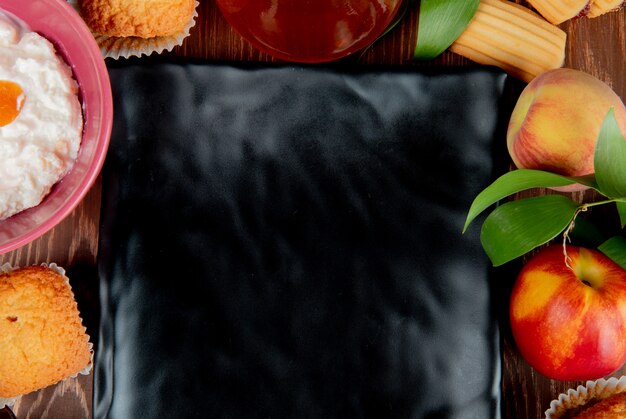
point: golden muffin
(42, 339)
(140, 18)
(612, 407)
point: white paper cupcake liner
(124, 47)
(8, 402)
(6, 268)
(592, 390)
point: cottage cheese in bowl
(41, 118)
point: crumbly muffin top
(42, 339)
(140, 18)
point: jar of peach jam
(310, 30)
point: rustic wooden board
(597, 46)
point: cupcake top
(42, 339)
(610, 408)
(602, 398)
(138, 18)
(132, 28)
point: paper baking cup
(131, 46)
(6, 268)
(582, 395)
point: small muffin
(602, 398)
(139, 18)
(42, 339)
(610, 408)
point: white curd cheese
(40, 145)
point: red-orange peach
(569, 322)
(556, 121)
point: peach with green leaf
(556, 121)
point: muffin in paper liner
(6, 268)
(124, 47)
(571, 403)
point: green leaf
(615, 249)
(610, 159)
(585, 233)
(516, 181)
(517, 227)
(440, 24)
(621, 209)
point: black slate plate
(286, 243)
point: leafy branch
(515, 228)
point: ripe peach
(556, 121)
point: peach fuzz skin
(556, 121)
(565, 328)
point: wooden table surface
(596, 46)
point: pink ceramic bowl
(57, 21)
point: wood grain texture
(597, 46)
(70, 399)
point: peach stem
(570, 227)
(566, 237)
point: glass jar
(310, 30)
